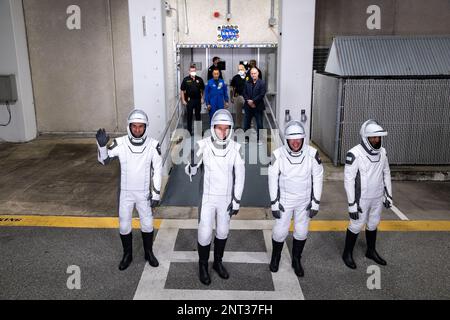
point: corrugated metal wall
(416, 113)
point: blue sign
(228, 33)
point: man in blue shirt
(216, 94)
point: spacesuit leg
(206, 223)
(371, 230)
(301, 225)
(279, 234)
(126, 205)
(281, 228)
(356, 226)
(205, 230)
(146, 220)
(222, 230)
(353, 230)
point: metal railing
(273, 125)
(176, 116)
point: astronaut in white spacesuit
(295, 187)
(368, 187)
(139, 155)
(223, 183)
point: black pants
(249, 114)
(193, 104)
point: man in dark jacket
(254, 93)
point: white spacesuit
(140, 157)
(295, 187)
(223, 184)
(368, 186)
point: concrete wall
(82, 78)
(252, 16)
(14, 60)
(398, 17)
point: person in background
(216, 94)
(254, 106)
(215, 65)
(192, 89)
(237, 93)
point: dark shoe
(297, 249)
(127, 244)
(277, 247)
(147, 238)
(203, 273)
(371, 253)
(219, 248)
(203, 254)
(347, 256)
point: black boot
(203, 255)
(219, 247)
(350, 240)
(371, 253)
(147, 238)
(277, 247)
(297, 249)
(127, 244)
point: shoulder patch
(317, 157)
(350, 158)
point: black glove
(154, 203)
(102, 138)
(277, 208)
(387, 202)
(233, 208)
(354, 215)
(312, 212)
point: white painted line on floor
(229, 256)
(285, 281)
(153, 279)
(399, 213)
(152, 282)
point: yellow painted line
(113, 223)
(387, 225)
(68, 222)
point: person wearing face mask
(367, 181)
(295, 178)
(223, 170)
(139, 156)
(192, 89)
(237, 86)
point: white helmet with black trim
(294, 130)
(222, 116)
(371, 128)
(137, 116)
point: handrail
(176, 112)
(266, 100)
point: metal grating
(416, 113)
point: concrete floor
(417, 266)
(60, 176)
(56, 175)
